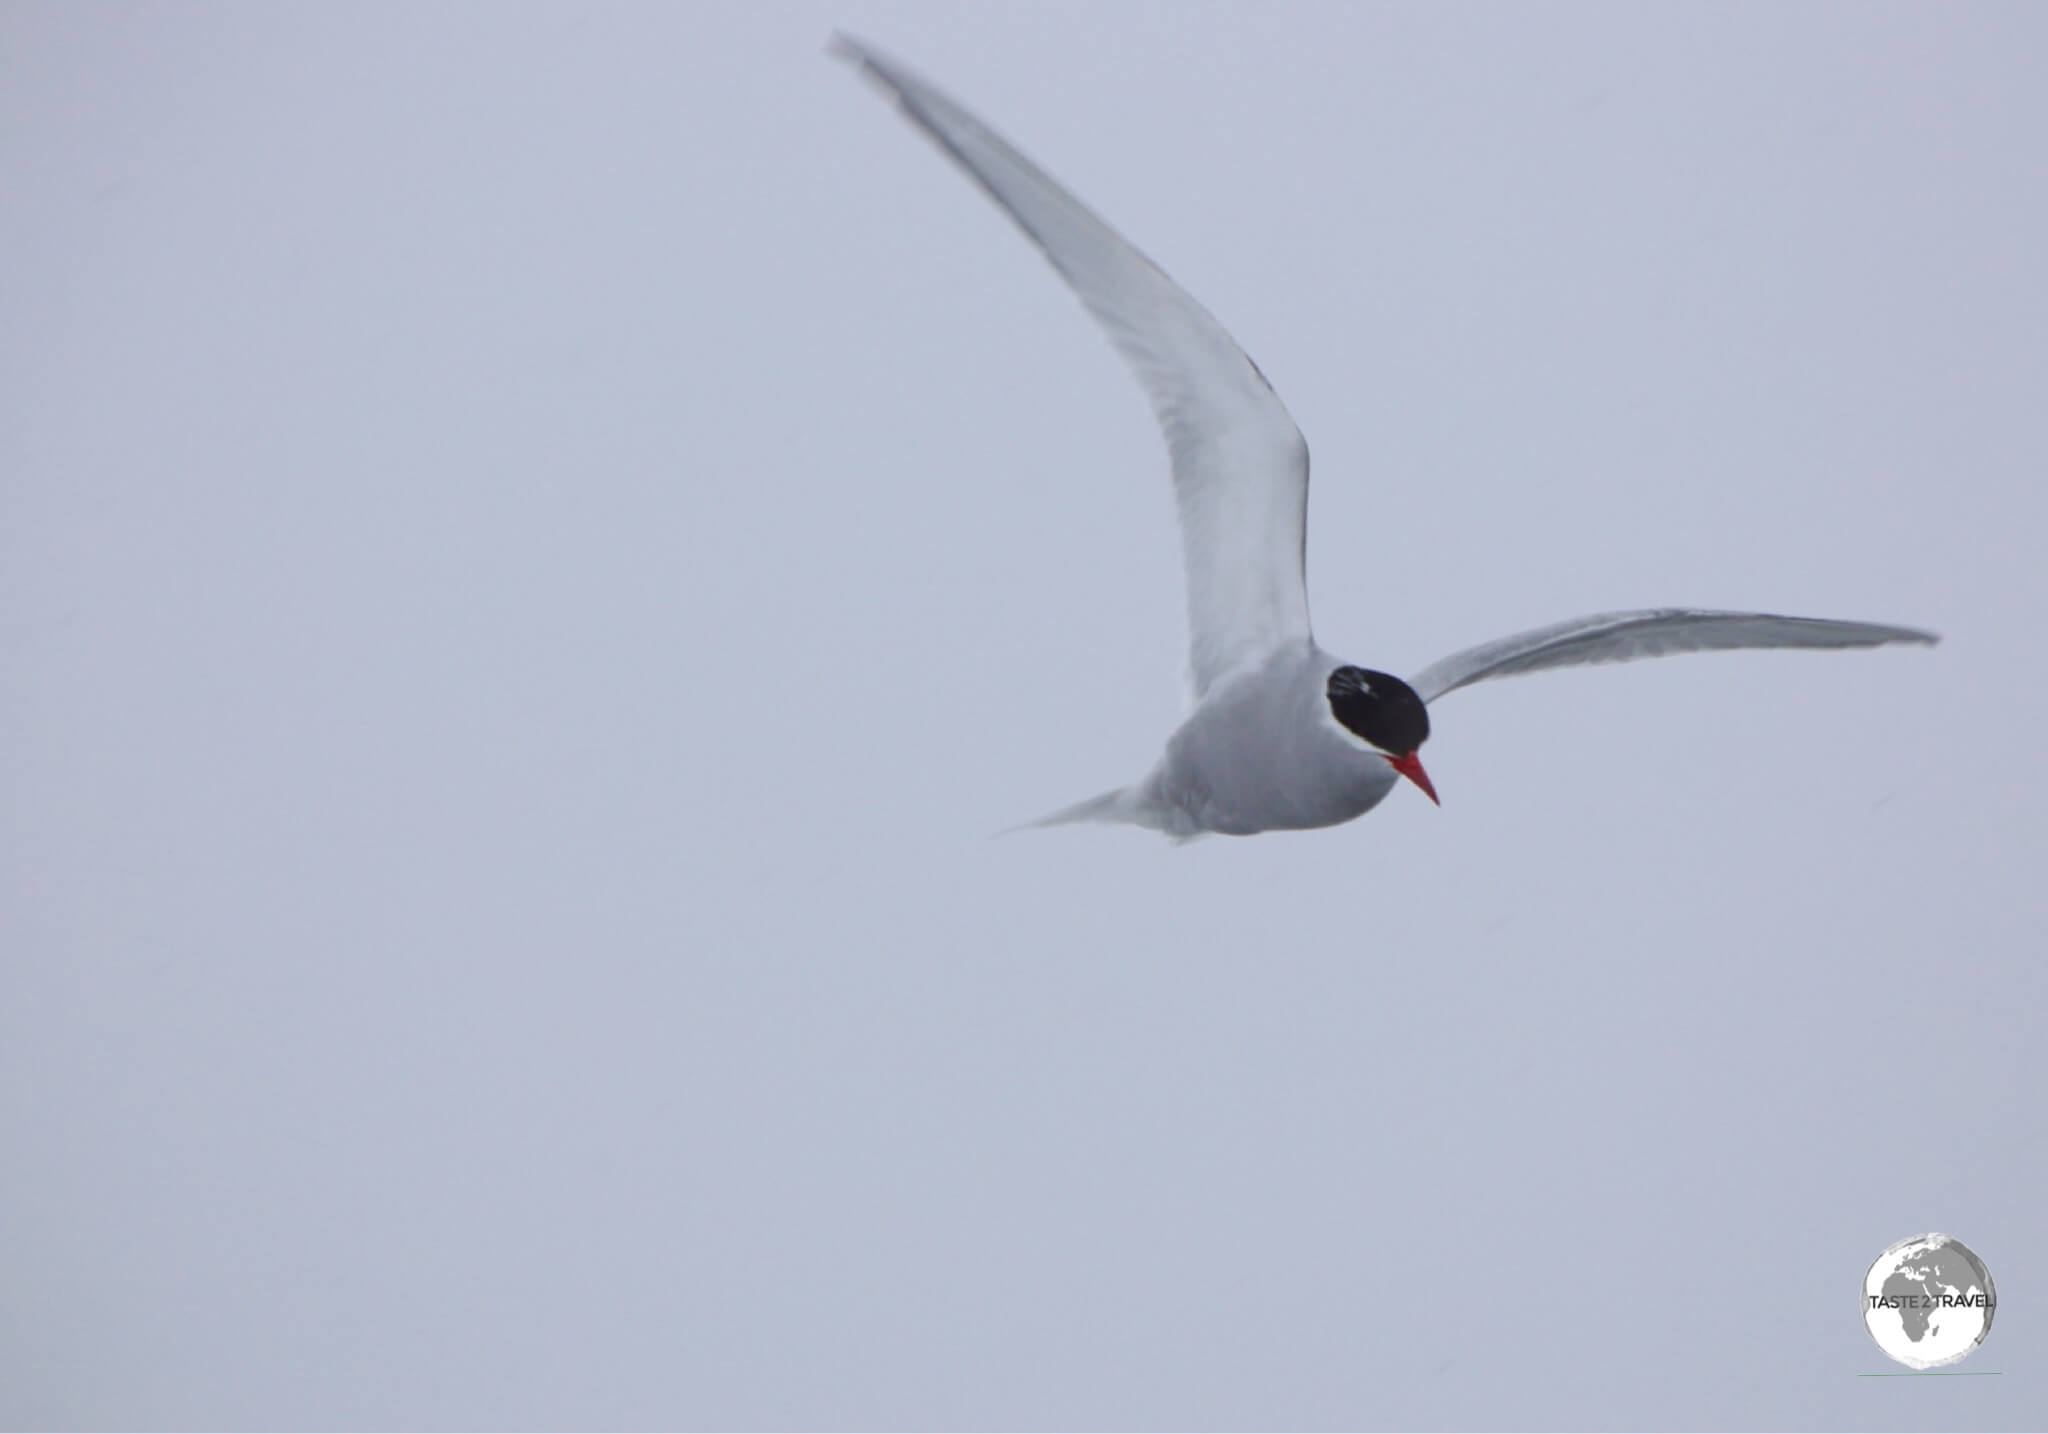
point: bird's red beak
(1410, 767)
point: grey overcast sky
(540, 542)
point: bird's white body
(1264, 748)
(1260, 752)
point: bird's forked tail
(1132, 806)
(1120, 805)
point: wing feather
(1240, 467)
(1658, 632)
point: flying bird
(1283, 736)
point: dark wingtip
(867, 62)
(856, 52)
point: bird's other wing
(1240, 467)
(1658, 632)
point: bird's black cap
(1382, 709)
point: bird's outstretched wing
(1240, 467)
(1658, 632)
